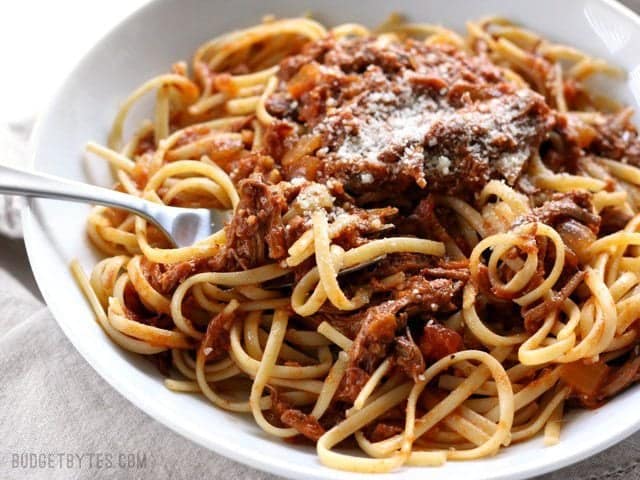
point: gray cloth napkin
(60, 420)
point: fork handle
(29, 184)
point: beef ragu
(491, 186)
(390, 117)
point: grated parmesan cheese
(366, 178)
(313, 197)
(443, 164)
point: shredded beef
(278, 406)
(166, 278)
(425, 223)
(335, 413)
(216, 340)
(534, 316)
(348, 325)
(565, 206)
(254, 165)
(306, 424)
(438, 295)
(135, 310)
(283, 413)
(408, 356)
(617, 139)
(365, 222)
(576, 135)
(453, 270)
(381, 322)
(277, 137)
(352, 382)
(376, 334)
(400, 262)
(383, 430)
(256, 232)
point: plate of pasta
(432, 258)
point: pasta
(487, 199)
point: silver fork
(183, 226)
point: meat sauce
(395, 116)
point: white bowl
(146, 44)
